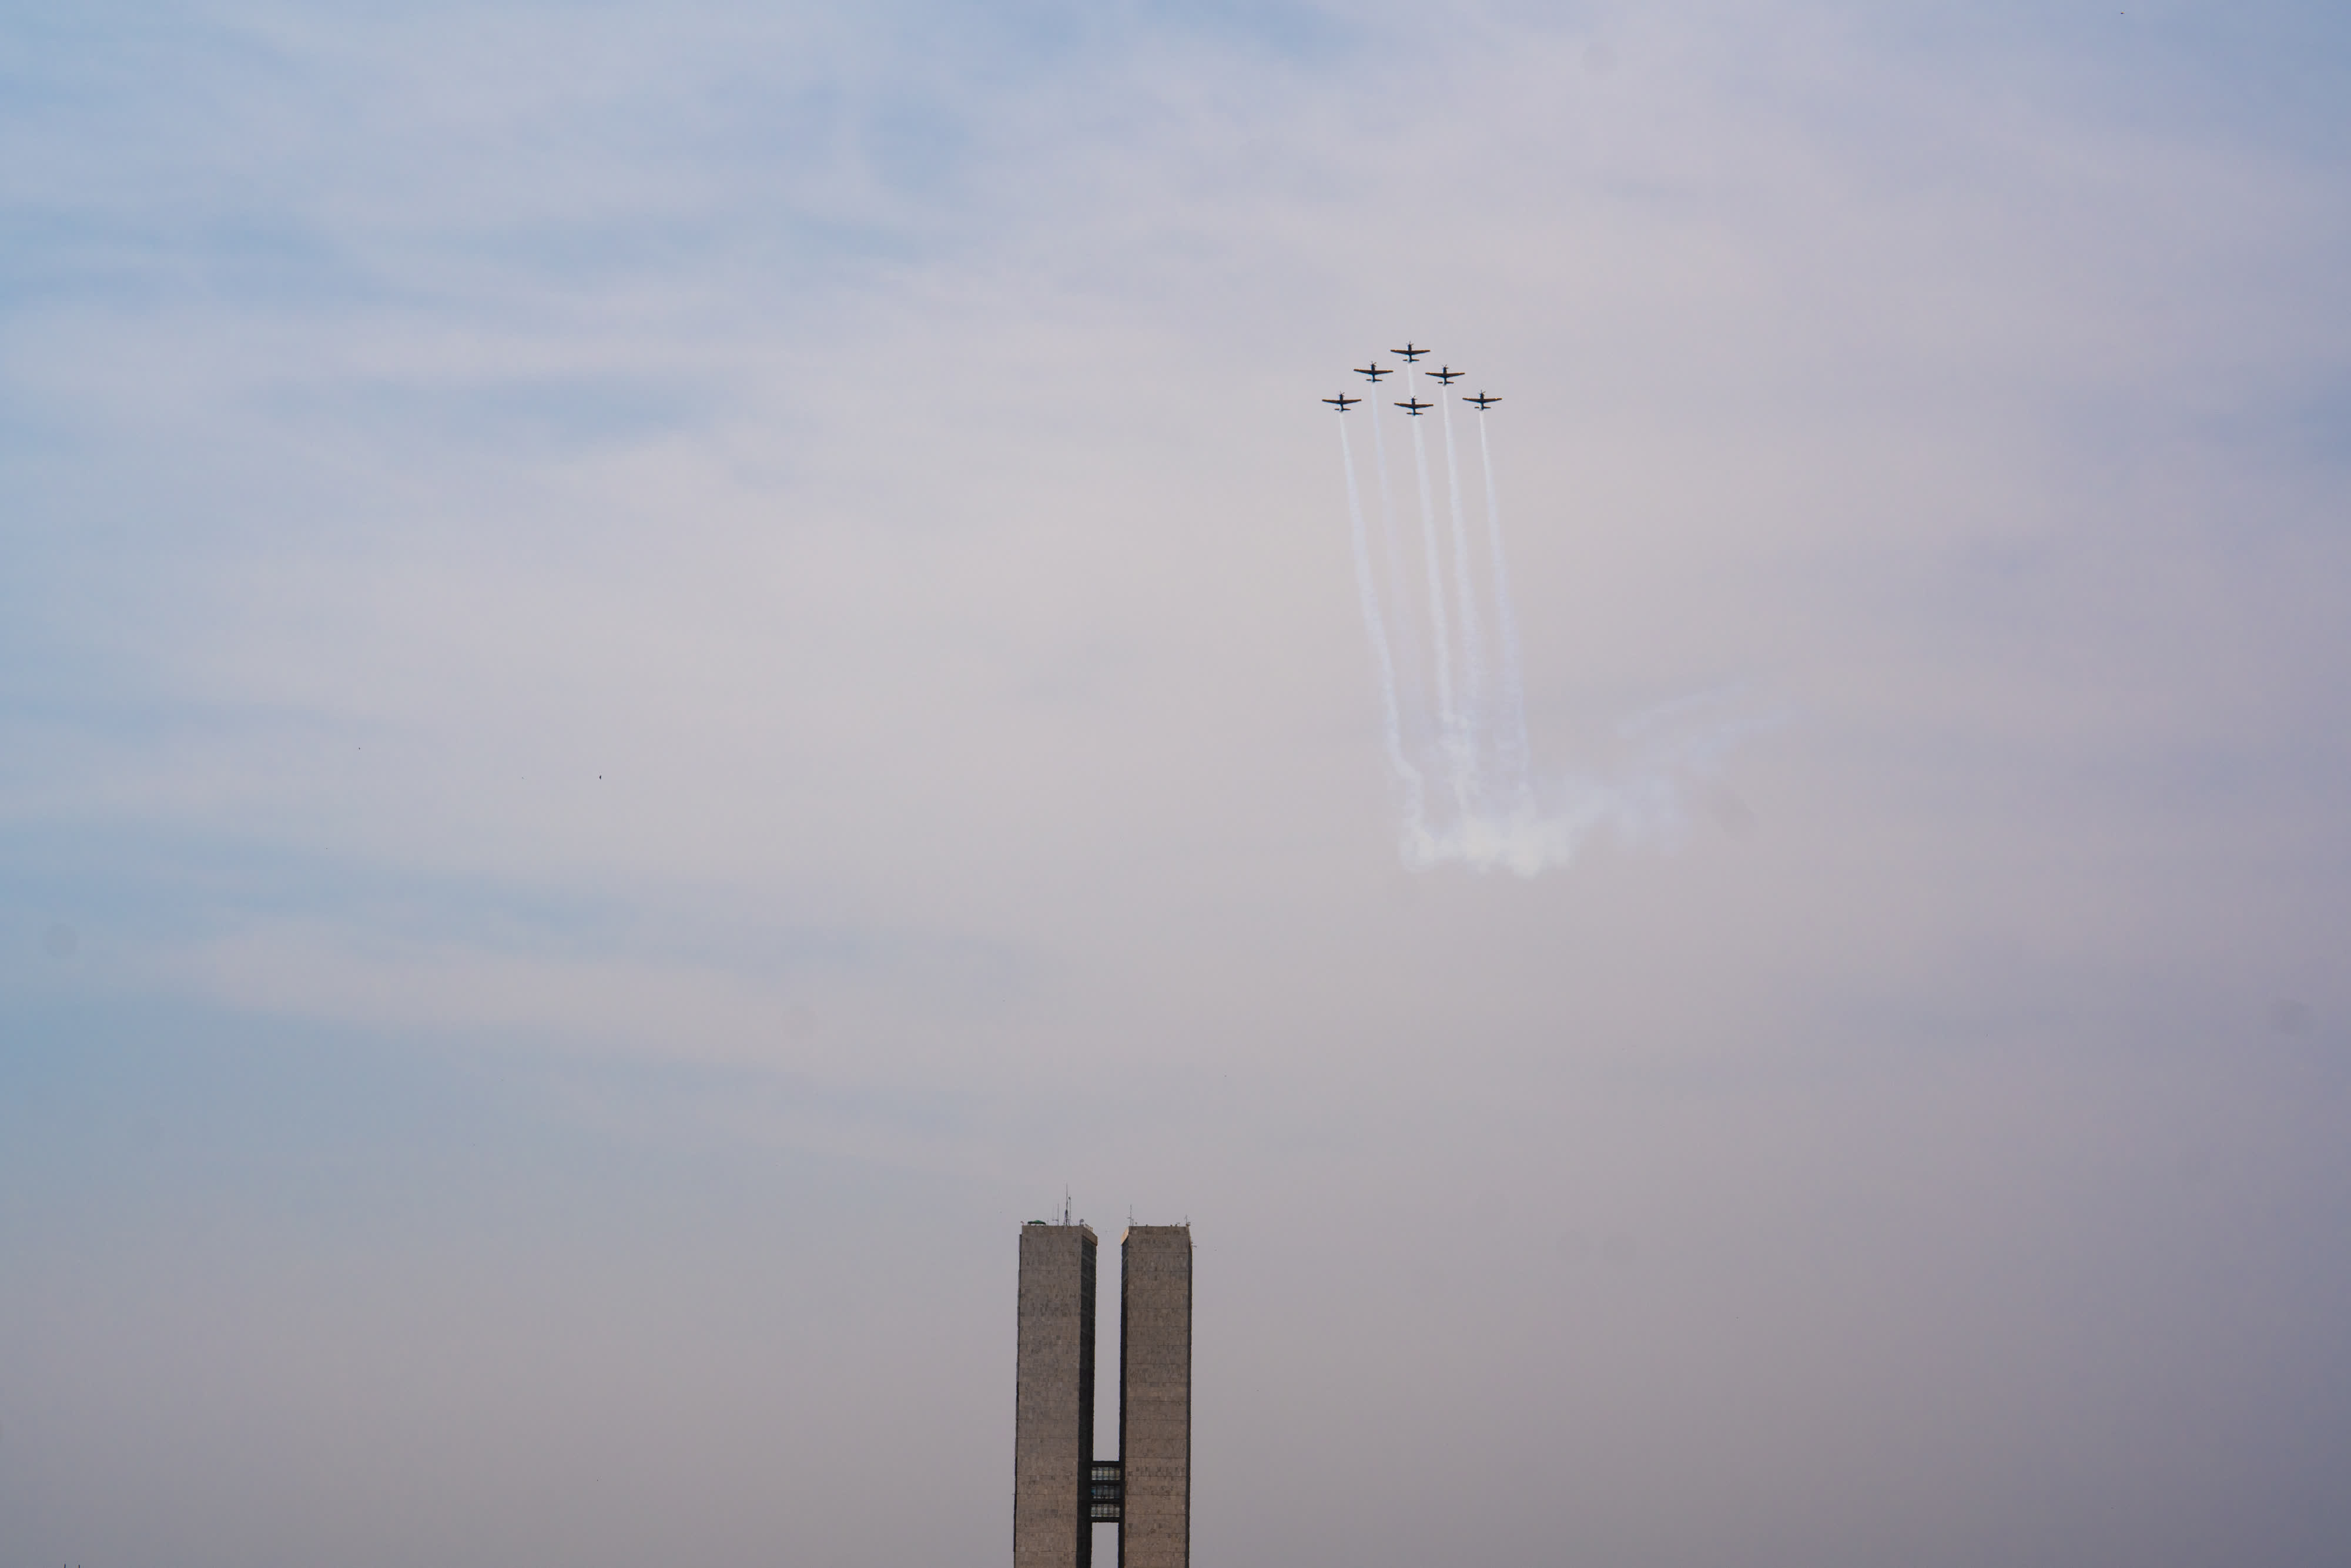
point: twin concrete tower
(1059, 1490)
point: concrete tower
(1154, 1397)
(1059, 1490)
(1053, 1426)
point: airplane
(1448, 376)
(1415, 407)
(1481, 400)
(1374, 371)
(1408, 353)
(1342, 402)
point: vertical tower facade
(1053, 1426)
(1154, 1397)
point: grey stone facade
(1059, 1489)
(1053, 1426)
(1155, 1397)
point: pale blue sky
(658, 666)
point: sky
(661, 667)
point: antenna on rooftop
(1065, 1206)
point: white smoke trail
(1448, 718)
(1529, 823)
(1516, 762)
(1411, 681)
(1465, 587)
(1643, 802)
(1407, 777)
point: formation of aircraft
(1444, 375)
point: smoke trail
(1516, 762)
(1440, 635)
(1375, 627)
(1473, 674)
(1512, 821)
(1643, 801)
(1411, 681)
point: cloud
(774, 578)
(944, 577)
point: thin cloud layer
(722, 642)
